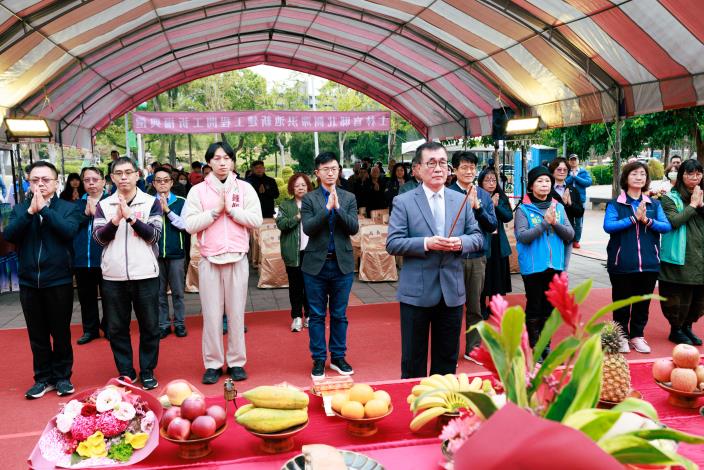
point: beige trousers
(223, 289)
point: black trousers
(444, 324)
(120, 297)
(632, 318)
(296, 290)
(684, 303)
(47, 312)
(538, 309)
(88, 282)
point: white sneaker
(623, 346)
(640, 345)
(305, 322)
(297, 325)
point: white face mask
(183, 182)
(672, 176)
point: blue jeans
(578, 222)
(171, 273)
(328, 288)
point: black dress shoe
(86, 338)
(678, 336)
(237, 373)
(211, 376)
(164, 332)
(180, 331)
(687, 330)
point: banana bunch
(439, 394)
(273, 409)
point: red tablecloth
(394, 446)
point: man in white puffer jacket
(219, 212)
(128, 224)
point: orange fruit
(383, 395)
(361, 393)
(352, 409)
(339, 399)
(375, 408)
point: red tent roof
(442, 64)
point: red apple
(203, 426)
(685, 355)
(169, 415)
(179, 429)
(192, 407)
(684, 380)
(219, 415)
(662, 369)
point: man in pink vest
(219, 211)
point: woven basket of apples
(188, 422)
(682, 376)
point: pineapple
(616, 376)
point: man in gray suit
(431, 288)
(329, 217)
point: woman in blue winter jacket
(634, 222)
(543, 236)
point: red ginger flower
(559, 296)
(482, 356)
(498, 306)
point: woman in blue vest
(681, 279)
(634, 222)
(543, 236)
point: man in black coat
(42, 228)
(266, 188)
(329, 218)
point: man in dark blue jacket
(465, 165)
(42, 228)
(86, 256)
(172, 253)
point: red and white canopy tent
(441, 64)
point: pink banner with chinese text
(259, 121)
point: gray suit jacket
(315, 219)
(427, 276)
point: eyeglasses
(162, 180)
(490, 180)
(328, 169)
(693, 175)
(41, 180)
(434, 163)
(91, 180)
(126, 173)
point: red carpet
(274, 355)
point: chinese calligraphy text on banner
(259, 121)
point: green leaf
(551, 325)
(668, 433)
(582, 390)
(634, 450)
(518, 372)
(582, 291)
(594, 329)
(619, 304)
(485, 406)
(512, 326)
(493, 342)
(599, 426)
(557, 357)
(637, 406)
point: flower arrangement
(102, 427)
(566, 386)
(657, 193)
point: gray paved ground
(589, 264)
